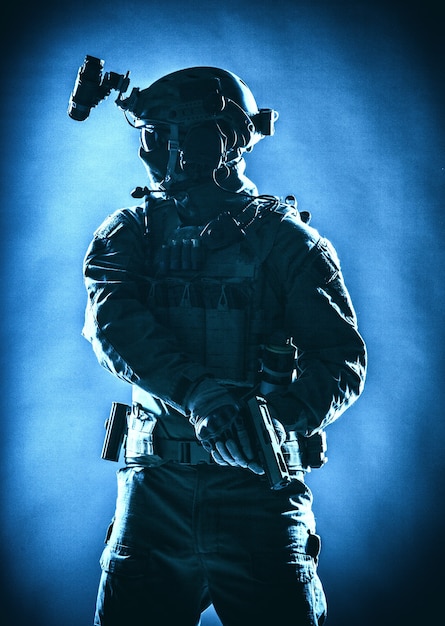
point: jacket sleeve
(125, 336)
(320, 317)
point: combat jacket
(148, 323)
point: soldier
(185, 291)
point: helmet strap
(173, 153)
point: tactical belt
(143, 441)
(192, 452)
(189, 452)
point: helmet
(208, 116)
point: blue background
(360, 142)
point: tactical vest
(206, 284)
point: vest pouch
(174, 306)
(210, 321)
(187, 322)
(226, 333)
(226, 343)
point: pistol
(116, 428)
(270, 451)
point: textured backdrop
(360, 143)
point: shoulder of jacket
(281, 227)
(304, 244)
(292, 225)
(117, 220)
(136, 217)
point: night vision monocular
(92, 86)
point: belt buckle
(184, 449)
(192, 453)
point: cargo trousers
(187, 536)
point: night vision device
(92, 86)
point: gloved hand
(220, 427)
